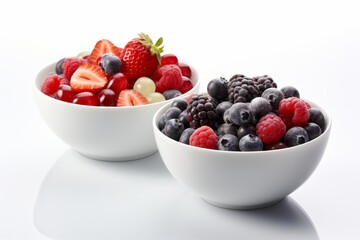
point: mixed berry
(243, 114)
(136, 74)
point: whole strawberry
(141, 57)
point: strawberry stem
(155, 49)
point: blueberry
(260, 107)
(245, 130)
(58, 66)
(186, 134)
(228, 142)
(290, 91)
(221, 108)
(250, 142)
(226, 116)
(180, 104)
(296, 136)
(110, 63)
(173, 129)
(274, 96)
(226, 128)
(313, 130)
(171, 93)
(183, 118)
(217, 88)
(316, 116)
(240, 114)
(172, 112)
(162, 122)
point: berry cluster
(243, 114)
(133, 75)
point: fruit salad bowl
(240, 179)
(105, 133)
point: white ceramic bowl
(240, 180)
(105, 133)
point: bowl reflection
(84, 199)
(192, 218)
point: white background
(48, 191)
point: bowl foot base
(242, 207)
(117, 159)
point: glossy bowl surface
(241, 180)
(104, 133)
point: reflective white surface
(85, 199)
(48, 191)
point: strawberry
(131, 97)
(141, 57)
(101, 47)
(88, 77)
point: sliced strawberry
(101, 47)
(88, 77)
(131, 97)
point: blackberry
(201, 111)
(242, 89)
(264, 82)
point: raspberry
(186, 85)
(294, 112)
(270, 129)
(167, 77)
(185, 69)
(70, 65)
(52, 83)
(168, 58)
(204, 137)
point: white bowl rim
(244, 153)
